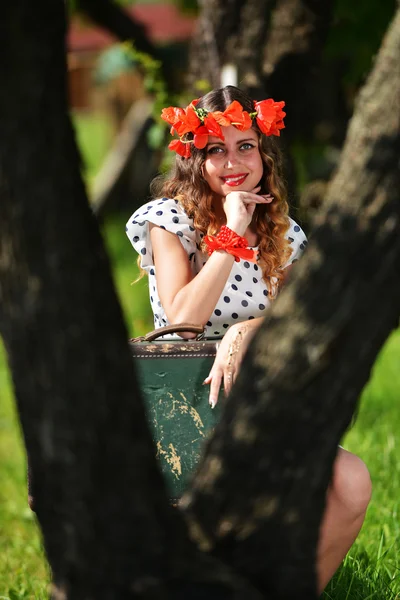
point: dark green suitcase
(171, 374)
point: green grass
(23, 572)
(372, 568)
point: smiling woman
(234, 162)
(227, 174)
(217, 243)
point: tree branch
(109, 15)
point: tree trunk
(108, 529)
(292, 56)
(275, 43)
(300, 381)
(217, 24)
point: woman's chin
(244, 187)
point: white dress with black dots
(245, 295)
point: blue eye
(214, 150)
(246, 146)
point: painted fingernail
(212, 402)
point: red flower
(188, 122)
(182, 121)
(180, 148)
(212, 126)
(201, 137)
(192, 120)
(237, 116)
(270, 116)
(220, 118)
(172, 114)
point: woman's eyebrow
(245, 140)
(237, 143)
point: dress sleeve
(297, 240)
(167, 214)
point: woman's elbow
(181, 318)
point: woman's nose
(231, 159)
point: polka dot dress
(245, 295)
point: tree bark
(252, 33)
(108, 529)
(275, 43)
(292, 55)
(300, 381)
(211, 43)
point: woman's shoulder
(294, 230)
(160, 211)
(166, 213)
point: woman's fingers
(214, 389)
(251, 198)
(215, 380)
(268, 197)
(229, 379)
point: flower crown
(202, 123)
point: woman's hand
(229, 358)
(240, 206)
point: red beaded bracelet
(232, 243)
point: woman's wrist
(238, 228)
(232, 243)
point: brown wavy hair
(185, 182)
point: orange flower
(201, 123)
(188, 122)
(270, 116)
(192, 120)
(212, 126)
(201, 137)
(220, 118)
(182, 121)
(237, 116)
(172, 114)
(180, 148)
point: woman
(217, 244)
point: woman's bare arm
(186, 298)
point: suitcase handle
(168, 329)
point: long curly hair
(186, 183)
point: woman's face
(234, 164)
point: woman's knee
(351, 483)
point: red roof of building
(163, 22)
